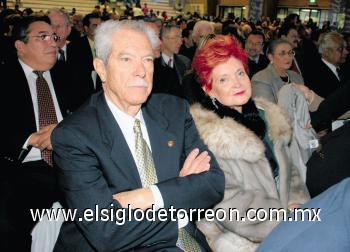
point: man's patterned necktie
(170, 63)
(47, 112)
(61, 56)
(148, 175)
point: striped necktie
(145, 164)
(148, 175)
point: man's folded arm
(85, 187)
(201, 190)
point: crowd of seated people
(60, 78)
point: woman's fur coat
(249, 180)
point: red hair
(216, 51)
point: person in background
(254, 45)
(328, 73)
(35, 98)
(187, 48)
(201, 29)
(267, 82)
(60, 23)
(289, 32)
(80, 58)
(170, 68)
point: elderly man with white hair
(61, 25)
(326, 75)
(126, 153)
(201, 29)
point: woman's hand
(308, 93)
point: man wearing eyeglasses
(254, 44)
(327, 73)
(33, 100)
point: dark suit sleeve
(331, 108)
(85, 186)
(199, 190)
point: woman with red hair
(250, 141)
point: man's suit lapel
(113, 137)
(162, 142)
(162, 62)
(24, 97)
(331, 75)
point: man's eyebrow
(121, 54)
(125, 54)
(43, 32)
(148, 56)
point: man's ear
(19, 46)
(327, 53)
(100, 68)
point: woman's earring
(213, 101)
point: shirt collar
(64, 48)
(166, 58)
(28, 71)
(122, 117)
(256, 59)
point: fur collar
(230, 140)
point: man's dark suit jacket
(319, 78)
(80, 62)
(169, 80)
(256, 67)
(95, 163)
(331, 108)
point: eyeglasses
(255, 44)
(47, 37)
(290, 53)
(340, 49)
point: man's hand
(195, 163)
(41, 139)
(139, 198)
(322, 133)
